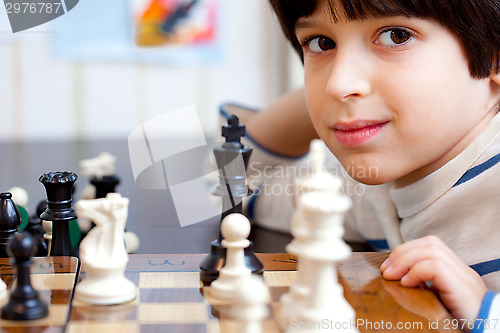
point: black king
(232, 161)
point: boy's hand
(458, 286)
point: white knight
(103, 252)
(100, 166)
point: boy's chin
(374, 173)
(370, 179)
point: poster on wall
(175, 22)
(171, 32)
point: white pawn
(132, 242)
(250, 306)
(235, 229)
(3, 289)
(20, 196)
(47, 226)
(293, 302)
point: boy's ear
(496, 77)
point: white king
(317, 227)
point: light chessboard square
(86, 327)
(207, 296)
(57, 317)
(280, 278)
(224, 326)
(172, 313)
(59, 281)
(170, 280)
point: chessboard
(55, 279)
(172, 299)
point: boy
(406, 95)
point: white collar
(411, 199)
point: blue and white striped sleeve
(488, 320)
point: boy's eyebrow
(304, 22)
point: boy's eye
(320, 44)
(394, 36)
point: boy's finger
(420, 243)
(449, 281)
(402, 263)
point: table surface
(375, 300)
(152, 215)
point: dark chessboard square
(277, 292)
(184, 295)
(174, 328)
(133, 276)
(55, 296)
(224, 312)
(31, 329)
(60, 296)
(104, 313)
(218, 311)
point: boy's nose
(349, 77)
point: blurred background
(85, 76)
(80, 84)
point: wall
(44, 98)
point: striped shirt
(459, 203)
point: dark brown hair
(476, 23)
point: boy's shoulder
(488, 161)
(481, 158)
(491, 154)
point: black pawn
(10, 220)
(59, 188)
(35, 228)
(104, 185)
(24, 302)
(232, 184)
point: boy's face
(391, 97)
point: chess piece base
(214, 261)
(22, 310)
(105, 286)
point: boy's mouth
(357, 132)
